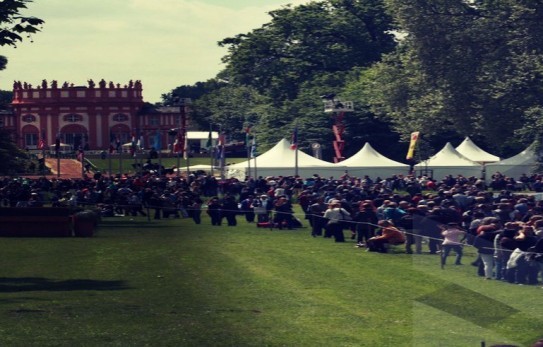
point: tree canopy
(300, 42)
(13, 26)
(464, 68)
(445, 68)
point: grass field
(174, 283)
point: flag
(186, 148)
(412, 145)
(112, 143)
(57, 143)
(157, 145)
(294, 141)
(220, 145)
(134, 143)
(177, 145)
(253, 148)
(247, 140)
(222, 139)
(209, 142)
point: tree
(464, 68)
(12, 158)
(13, 25)
(298, 43)
(231, 108)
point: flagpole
(120, 157)
(187, 153)
(57, 150)
(82, 153)
(248, 147)
(210, 148)
(109, 162)
(223, 154)
(255, 155)
(296, 160)
(295, 144)
(160, 154)
(256, 174)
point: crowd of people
(504, 225)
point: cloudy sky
(163, 43)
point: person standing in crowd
(283, 213)
(452, 240)
(195, 207)
(393, 213)
(247, 208)
(334, 214)
(389, 234)
(484, 242)
(504, 245)
(430, 227)
(230, 210)
(527, 270)
(262, 207)
(316, 215)
(214, 210)
(410, 223)
(366, 222)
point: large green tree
(276, 74)
(324, 36)
(13, 26)
(463, 68)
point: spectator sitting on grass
(389, 234)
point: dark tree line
(446, 68)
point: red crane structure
(338, 108)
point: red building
(92, 116)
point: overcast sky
(163, 43)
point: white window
(120, 117)
(29, 118)
(31, 140)
(73, 118)
(154, 121)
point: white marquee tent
(474, 153)
(281, 161)
(524, 162)
(369, 162)
(63, 148)
(449, 162)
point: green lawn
(174, 283)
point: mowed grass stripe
(186, 284)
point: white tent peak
(282, 154)
(449, 156)
(527, 156)
(523, 163)
(369, 157)
(281, 160)
(449, 161)
(474, 153)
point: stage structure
(337, 108)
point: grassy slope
(177, 284)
